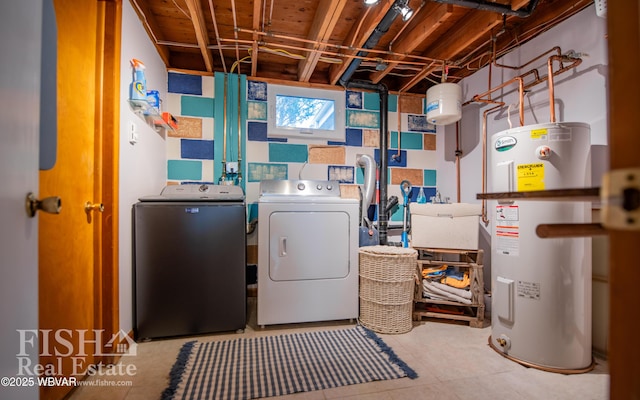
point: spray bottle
(138, 87)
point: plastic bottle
(421, 199)
(138, 87)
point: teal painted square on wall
(393, 103)
(191, 106)
(371, 101)
(410, 141)
(363, 119)
(429, 176)
(257, 110)
(262, 171)
(181, 170)
(279, 152)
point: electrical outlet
(133, 132)
(232, 167)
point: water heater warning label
(529, 290)
(530, 177)
(507, 230)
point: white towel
(429, 289)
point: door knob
(51, 205)
(88, 207)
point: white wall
(143, 166)
(580, 96)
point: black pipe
(493, 7)
(376, 35)
(381, 88)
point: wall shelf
(149, 114)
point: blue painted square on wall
(354, 99)
(257, 132)
(353, 137)
(186, 84)
(257, 91)
(196, 149)
(391, 161)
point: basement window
(302, 112)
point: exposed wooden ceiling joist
(200, 27)
(325, 20)
(425, 23)
(339, 29)
(358, 35)
(257, 11)
(468, 30)
(152, 27)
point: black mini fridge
(189, 261)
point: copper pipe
(478, 97)
(374, 59)
(495, 60)
(552, 103)
(215, 28)
(398, 155)
(484, 158)
(239, 128)
(458, 154)
(335, 46)
(550, 74)
(364, 16)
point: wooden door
(76, 287)
(623, 22)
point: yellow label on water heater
(539, 133)
(530, 177)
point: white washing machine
(307, 252)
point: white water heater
(541, 288)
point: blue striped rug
(250, 368)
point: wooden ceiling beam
(469, 29)
(518, 4)
(326, 17)
(257, 10)
(152, 27)
(200, 27)
(423, 25)
(358, 35)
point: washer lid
(198, 192)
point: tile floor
(453, 362)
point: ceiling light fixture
(406, 12)
(370, 2)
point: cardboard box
(445, 226)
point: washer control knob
(301, 186)
(329, 187)
(319, 187)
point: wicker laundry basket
(387, 287)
